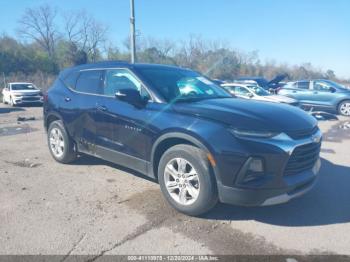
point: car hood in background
(277, 99)
(278, 79)
(249, 114)
(25, 92)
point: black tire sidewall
(207, 197)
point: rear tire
(186, 180)
(344, 108)
(60, 144)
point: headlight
(241, 133)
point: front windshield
(259, 91)
(23, 87)
(176, 84)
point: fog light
(256, 165)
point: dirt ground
(96, 208)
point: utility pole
(132, 32)
(4, 78)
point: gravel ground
(94, 208)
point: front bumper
(27, 99)
(299, 185)
(283, 178)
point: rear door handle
(67, 99)
(102, 108)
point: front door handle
(102, 108)
(67, 99)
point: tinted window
(303, 85)
(71, 79)
(89, 82)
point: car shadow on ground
(5, 110)
(327, 203)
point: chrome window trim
(105, 69)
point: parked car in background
(256, 92)
(179, 128)
(320, 95)
(18, 93)
(272, 85)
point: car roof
(235, 84)
(27, 83)
(251, 78)
(115, 64)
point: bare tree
(38, 24)
(85, 33)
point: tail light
(45, 97)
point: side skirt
(134, 163)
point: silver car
(255, 92)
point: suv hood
(248, 114)
(278, 79)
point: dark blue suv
(176, 126)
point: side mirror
(250, 95)
(332, 89)
(131, 96)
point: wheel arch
(168, 140)
(53, 116)
(341, 101)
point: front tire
(60, 144)
(11, 102)
(344, 108)
(186, 180)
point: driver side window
(322, 86)
(117, 79)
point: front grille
(30, 98)
(300, 134)
(303, 158)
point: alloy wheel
(345, 109)
(181, 181)
(56, 142)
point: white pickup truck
(17, 93)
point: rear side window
(303, 85)
(89, 82)
(71, 79)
